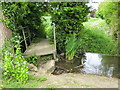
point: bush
(93, 38)
(96, 42)
(14, 64)
(68, 18)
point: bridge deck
(41, 48)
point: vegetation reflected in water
(91, 63)
(101, 64)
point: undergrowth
(13, 63)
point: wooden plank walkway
(41, 48)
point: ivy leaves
(26, 16)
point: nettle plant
(14, 64)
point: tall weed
(71, 46)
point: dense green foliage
(93, 38)
(25, 16)
(109, 12)
(14, 64)
(48, 27)
(68, 18)
(21, 16)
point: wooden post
(24, 38)
(54, 41)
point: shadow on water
(91, 63)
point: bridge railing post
(24, 37)
(55, 53)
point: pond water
(101, 64)
(93, 64)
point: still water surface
(93, 64)
(101, 64)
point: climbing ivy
(25, 16)
(20, 16)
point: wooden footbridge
(41, 48)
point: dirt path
(71, 80)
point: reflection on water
(92, 63)
(101, 64)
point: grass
(96, 37)
(32, 83)
(97, 24)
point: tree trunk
(5, 33)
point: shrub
(14, 64)
(68, 18)
(93, 38)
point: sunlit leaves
(109, 11)
(14, 64)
